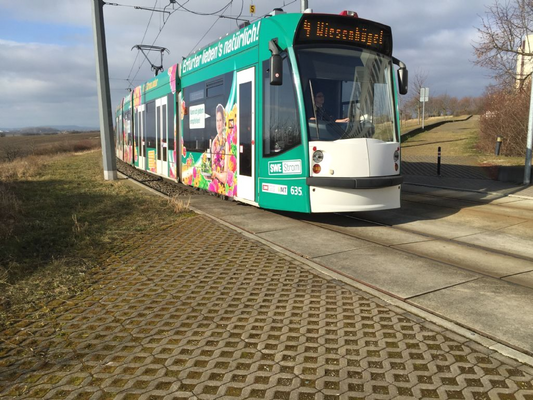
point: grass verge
(456, 139)
(62, 220)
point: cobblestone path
(197, 311)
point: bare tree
(419, 81)
(504, 28)
(411, 105)
(505, 37)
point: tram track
(411, 240)
(482, 259)
(163, 186)
(436, 237)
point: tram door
(120, 138)
(140, 113)
(162, 136)
(246, 134)
(128, 142)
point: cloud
(47, 71)
(40, 83)
(64, 12)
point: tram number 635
(296, 191)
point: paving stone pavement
(198, 311)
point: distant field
(19, 146)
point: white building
(524, 61)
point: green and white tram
(294, 112)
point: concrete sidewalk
(207, 310)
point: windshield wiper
(314, 109)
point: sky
(47, 62)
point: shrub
(505, 113)
(85, 145)
(67, 147)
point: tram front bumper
(354, 194)
(356, 183)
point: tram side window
(150, 125)
(193, 125)
(136, 129)
(127, 121)
(281, 131)
(120, 131)
(170, 102)
(117, 132)
(159, 131)
(202, 100)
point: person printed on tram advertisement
(219, 148)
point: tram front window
(348, 93)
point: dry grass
(179, 204)
(58, 218)
(11, 172)
(9, 209)
(56, 279)
(491, 159)
(22, 168)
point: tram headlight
(318, 156)
(396, 158)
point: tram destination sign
(316, 28)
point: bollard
(498, 145)
(438, 162)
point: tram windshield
(348, 93)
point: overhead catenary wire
(202, 38)
(154, 9)
(172, 2)
(138, 52)
(240, 13)
(235, 17)
(200, 13)
(165, 18)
